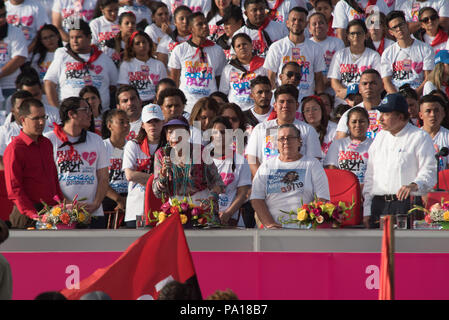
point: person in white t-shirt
(348, 64)
(194, 5)
(378, 31)
(406, 61)
(180, 34)
(114, 132)
(295, 47)
(262, 144)
(351, 153)
(330, 45)
(139, 69)
(216, 14)
(105, 26)
(138, 161)
(81, 158)
(140, 9)
(161, 25)
(93, 98)
(48, 40)
(439, 77)
(279, 10)
(261, 94)
(232, 21)
(66, 13)
(196, 65)
(314, 113)
(13, 53)
(234, 171)
(128, 100)
(29, 16)
(346, 11)
(431, 113)
(77, 65)
(262, 30)
(431, 32)
(326, 7)
(237, 75)
(411, 11)
(287, 181)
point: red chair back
(152, 203)
(443, 177)
(6, 205)
(344, 186)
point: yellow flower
(302, 215)
(49, 226)
(56, 211)
(446, 216)
(161, 216)
(81, 217)
(329, 207)
(183, 218)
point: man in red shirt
(30, 170)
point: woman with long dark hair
(215, 14)
(48, 40)
(161, 25)
(105, 24)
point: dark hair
(408, 92)
(2, 4)
(422, 10)
(171, 92)
(430, 98)
(357, 22)
(290, 126)
(101, 4)
(220, 95)
(248, 2)
(129, 51)
(50, 295)
(445, 99)
(20, 94)
(106, 118)
(175, 290)
(339, 111)
(291, 63)
(168, 81)
(238, 111)
(24, 108)
(28, 77)
(329, 96)
(240, 35)
(222, 120)
(322, 127)
(286, 89)
(360, 110)
(329, 2)
(94, 90)
(179, 9)
(320, 14)
(213, 10)
(125, 88)
(195, 15)
(299, 10)
(393, 15)
(81, 25)
(205, 103)
(69, 104)
(39, 48)
(371, 71)
(156, 5)
(260, 80)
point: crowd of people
(100, 95)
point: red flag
(386, 290)
(161, 255)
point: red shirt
(30, 173)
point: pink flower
(317, 211)
(184, 207)
(166, 207)
(196, 211)
(56, 198)
(428, 219)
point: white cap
(152, 111)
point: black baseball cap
(394, 102)
(233, 12)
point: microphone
(442, 153)
(167, 150)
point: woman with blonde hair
(439, 77)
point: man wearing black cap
(232, 21)
(401, 163)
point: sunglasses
(297, 75)
(427, 19)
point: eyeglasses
(87, 109)
(399, 26)
(43, 118)
(355, 33)
(287, 139)
(427, 19)
(297, 75)
(232, 119)
(309, 110)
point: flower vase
(70, 226)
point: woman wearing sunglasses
(431, 32)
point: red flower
(65, 218)
(174, 210)
(305, 206)
(202, 220)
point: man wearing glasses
(406, 61)
(30, 171)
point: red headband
(135, 33)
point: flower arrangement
(437, 214)
(198, 215)
(63, 215)
(318, 213)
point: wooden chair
(114, 219)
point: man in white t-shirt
(431, 112)
(318, 28)
(261, 94)
(81, 158)
(401, 163)
(261, 29)
(370, 88)
(295, 47)
(29, 16)
(262, 143)
(13, 53)
(77, 65)
(128, 100)
(406, 61)
(196, 65)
